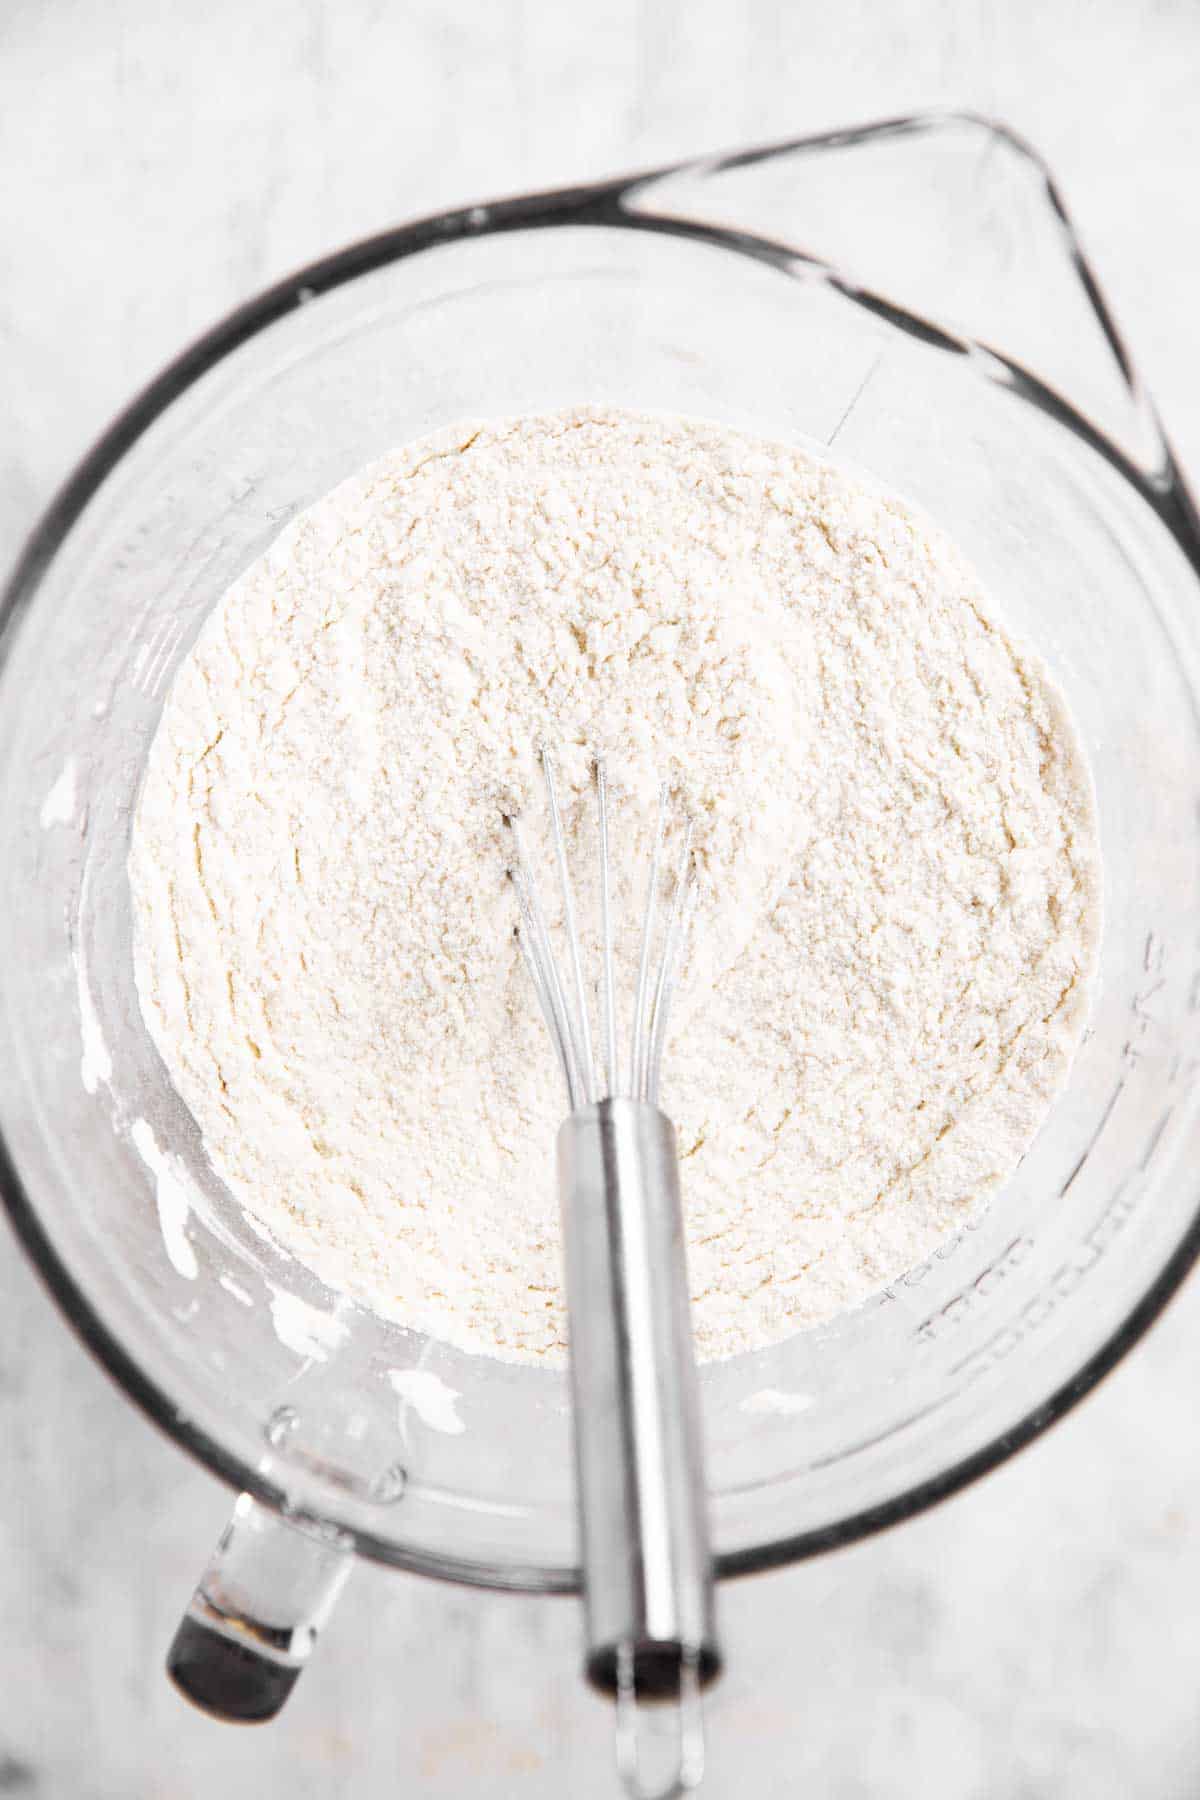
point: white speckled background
(1035, 1639)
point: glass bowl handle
(252, 1623)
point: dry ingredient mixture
(895, 840)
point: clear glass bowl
(791, 291)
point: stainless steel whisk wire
(570, 1022)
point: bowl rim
(600, 203)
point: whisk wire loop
(568, 1018)
(638, 1052)
(533, 933)
(583, 1038)
(612, 1070)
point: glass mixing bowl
(792, 291)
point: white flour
(899, 879)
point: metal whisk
(647, 1568)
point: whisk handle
(648, 1582)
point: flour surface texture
(895, 842)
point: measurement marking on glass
(1155, 1139)
(956, 1309)
(1065, 1280)
(1105, 1116)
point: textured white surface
(1039, 1637)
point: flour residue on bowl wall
(95, 1062)
(171, 1196)
(304, 1328)
(433, 1400)
(58, 808)
(776, 1403)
